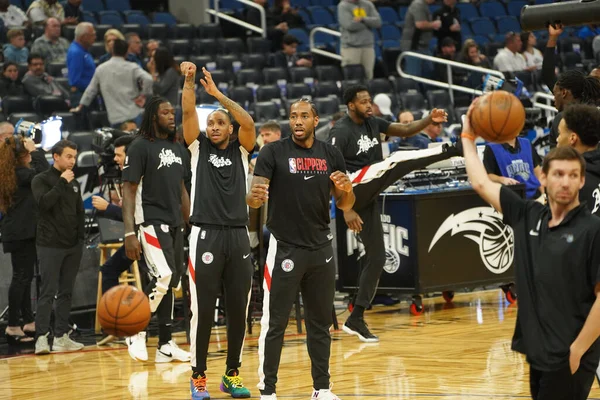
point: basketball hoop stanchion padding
(570, 13)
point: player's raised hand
(208, 83)
(188, 69)
(259, 192)
(439, 116)
(341, 181)
(555, 30)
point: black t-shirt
(299, 190)
(219, 183)
(159, 167)
(360, 144)
(556, 271)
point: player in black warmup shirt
(557, 260)
(155, 204)
(358, 136)
(219, 242)
(298, 175)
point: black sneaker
(358, 327)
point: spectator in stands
(533, 57)
(449, 14)
(382, 107)
(275, 28)
(165, 73)
(430, 134)
(514, 162)
(40, 10)
(416, 34)
(269, 132)
(357, 20)
(12, 15)
(406, 117)
(285, 13)
(73, 12)
(588, 31)
(10, 84)
(287, 57)
(38, 83)
(135, 48)
(448, 52)
(471, 55)
(119, 81)
(15, 50)
(323, 132)
(509, 59)
(128, 126)
(109, 38)
(51, 45)
(151, 47)
(80, 62)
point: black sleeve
(265, 163)
(382, 125)
(135, 162)
(548, 66)
(537, 160)
(338, 160)
(339, 139)
(554, 130)
(490, 163)
(594, 260)
(38, 161)
(80, 215)
(113, 212)
(513, 207)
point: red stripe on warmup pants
(151, 240)
(191, 269)
(361, 174)
(267, 278)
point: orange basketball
(124, 311)
(498, 117)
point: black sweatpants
(219, 258)
(113, 268)
(58, 268)
(561, 384)
(162, 248)
(288, 269)
(23, 257)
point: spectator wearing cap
(288, 57)
(448, 52)
(40, 10)
(15, 49)
(382, 107)
(449, 15)
(11, 15)
(51, 45)
(509, 59)
(357, 20)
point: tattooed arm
(247, 132)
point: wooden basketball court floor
(452, 351)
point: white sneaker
(323, 394)
(136, 345)
(268, 396)
(65, 343)
(41, 345)
(169, 352)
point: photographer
(115, 265)
(60, 232)
(19, 163)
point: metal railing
(263, 17)
(316, 50)
(449, 64)
(547, 105)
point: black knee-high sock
(164, 334)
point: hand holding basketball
(439, 116)
(497, 117)
(341, 181)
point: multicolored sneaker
(198, 388)
(232, 383)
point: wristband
(130, 234)
(467, 136)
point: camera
(44, 134)
(102, 144)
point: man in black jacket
(449, 14)
(59, 242)
(579, 129)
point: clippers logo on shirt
(301, 165)
(365, 144)
(519, 168)
(219, 162)
(167, 158)
(596, 195)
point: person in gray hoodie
(357, 20)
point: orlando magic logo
(484, 226)
(519, 168)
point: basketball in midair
(124, 311)
(498, 117)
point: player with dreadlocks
(155, 206)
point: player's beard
(165, 131)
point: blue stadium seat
(164, 18)
(390, 44)
(508, 24)
(388, 15)
(483, 26)
(89, 17)
(465, 29)
(321, 16)
(434, 7)
(111, 18)
(481, 40)
(402, 12)
(467, 11)
(229, 5)
(17, 3)
(302, 36)
(515, 6)
(93, 5)
(324, 3)
(390, 32)
(300, 3)
(491, 9)
(305, 16)
(157, 31)
(118, 5)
